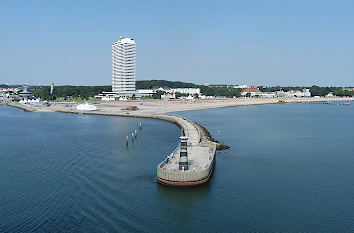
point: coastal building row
(123, 75)
(255, 92)
(348, 89)
(15, 93)
(189, 91)
(124, 85)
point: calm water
(290, 169)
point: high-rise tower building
(123, 67)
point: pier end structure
(200, 159)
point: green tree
(177, 95)
(157, 95)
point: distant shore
(162, 109)
(153, 107)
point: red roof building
(251, 90)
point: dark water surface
(290, 169)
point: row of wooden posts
(134, 134)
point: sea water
(290, 168)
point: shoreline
(202, 146)
(110, 109)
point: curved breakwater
(201, 151)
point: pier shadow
(180, 193)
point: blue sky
(233, 42)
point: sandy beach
(158, 107)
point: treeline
(337, 91)
(220, 91)
(68, 92)
(85, 92)
(205, 90)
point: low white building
(241, 86)
(109, 96)
(190, 97)
(144, 92)
(293, 93)
(167, 96)
(348, 89)
(189, 91)
(252, 91)
(267, 95)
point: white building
(251, 91)
(267, 95)
(241, 86)
(190, 91)
(294, 93)
(123, 67)
(167, 96)
(144, 92)
(190, 97)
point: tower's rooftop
(123, 40)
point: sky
(217, 42)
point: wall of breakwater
(26, 108)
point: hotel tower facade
(123, 67)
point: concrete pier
(201, 159)
(201, 151)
